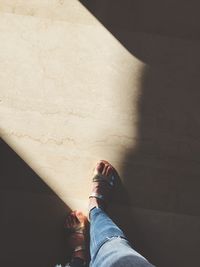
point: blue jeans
(108, 244)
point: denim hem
(94, 209)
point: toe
(109, 170)
(73, 221)
(80, 216)
(68, 222)
(100, 167)
(105, 169)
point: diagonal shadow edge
(32, 216)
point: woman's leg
(76, 224)
(108, 244)
(102, 229)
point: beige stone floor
(62, 102)
(70, 94)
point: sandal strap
(101, 178)
(77, 230)
(96, 195)
(79, 248)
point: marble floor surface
(70, 94)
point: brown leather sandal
(109, 181)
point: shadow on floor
(166, 160)
(161, 175)
(178, 18)
(32, 216)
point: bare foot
(76, 224)
(105, 176)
